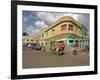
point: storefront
(70, 42)
(61, 42)
(49, 44)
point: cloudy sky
(33, 21)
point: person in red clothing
(61, 48)
(62, 45)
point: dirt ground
(40, 59)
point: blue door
(69, 42)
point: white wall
(5, 30)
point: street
(40, 59)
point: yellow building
(41, 37)
(65, 30)
(28, 39)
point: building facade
(28, 40)
(66, 30)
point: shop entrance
(61, 43)
(71, 43)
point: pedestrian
(86, 48)
(74, 51)
(44, 48)
(63, 46)
(60, 51)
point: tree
(25, 34)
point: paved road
(40, 59)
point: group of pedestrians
(59, 49)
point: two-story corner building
(66, 30)
(28, 39)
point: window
(84, 33)
(32, 40)
(79, 31)
(23, 39)
(53, 31)
(42, 44)
(76, 41)
(76, 29)
(42, 34)
(70, 41)
(63, 27)
(36, 40)
(47, 34)
(70, 27)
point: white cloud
(50, 17)
(40, 24)
(31, 31)
(35, 29)
(24, 28)
(43, 19)
(46, 16)
(57, 16)
(75, 16)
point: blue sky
(33, 22)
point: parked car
(33, 46)
(38, 47)
(29, 45)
